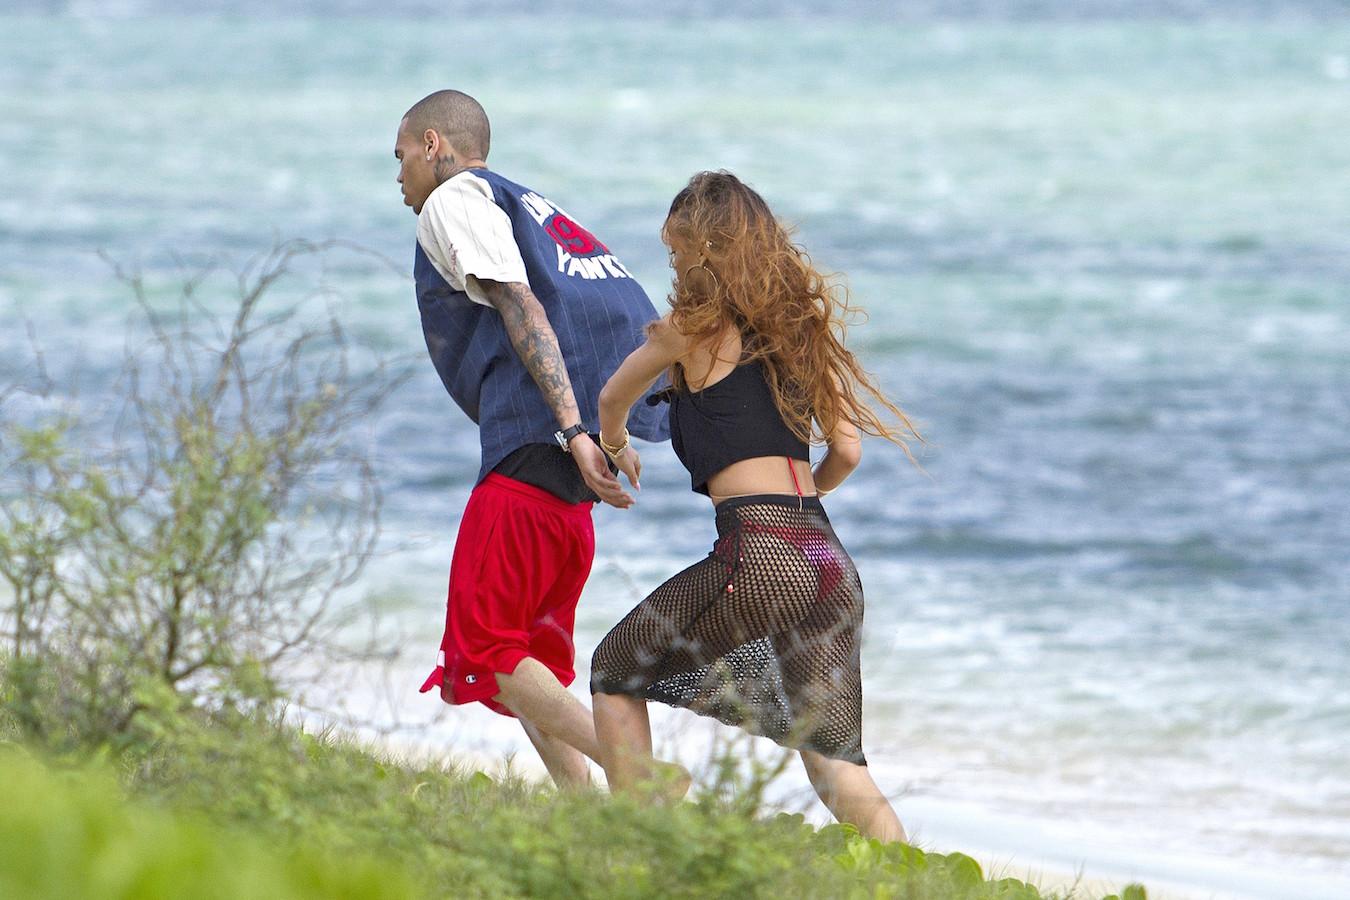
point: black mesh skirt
(763, 633)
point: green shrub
(434, 829)
(161, 555)
(71, 834)
(507, 837)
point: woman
(764, 632)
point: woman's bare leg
(850, 794)
(625, 735)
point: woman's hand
(637, 373)
(630, 464)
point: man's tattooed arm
(536, 344)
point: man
(525, 314)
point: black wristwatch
(565, 436)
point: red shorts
(521, 559)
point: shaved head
(457, 118)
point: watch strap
(565, 436)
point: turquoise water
(1106, 267)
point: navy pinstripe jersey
(481, 226)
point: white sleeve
(468, 237)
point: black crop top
(730, 420)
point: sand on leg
(565, 763)
(536, 695)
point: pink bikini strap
(792, 470)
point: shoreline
(1045, 875)
(1042, 851)
(1058, 856)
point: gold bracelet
(615, 451)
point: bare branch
(185, 552)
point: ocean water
(1106, 267)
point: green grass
(260, 809)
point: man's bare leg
(536, 696)
(849, 792)
(564, 762)
(625, 734)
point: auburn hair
(789, 315)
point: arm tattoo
(535, 342)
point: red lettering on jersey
(572, 237)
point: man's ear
(431, 142)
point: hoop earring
(717, 285)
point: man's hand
(590, 459)
(537, 346)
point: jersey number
(572, 237)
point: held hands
(591, 461)
(625, 457)
(630, 464)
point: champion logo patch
(471, 679)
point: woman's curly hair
(790, 316)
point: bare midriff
(761, 475)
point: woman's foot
(670, 780)
(656, 781)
